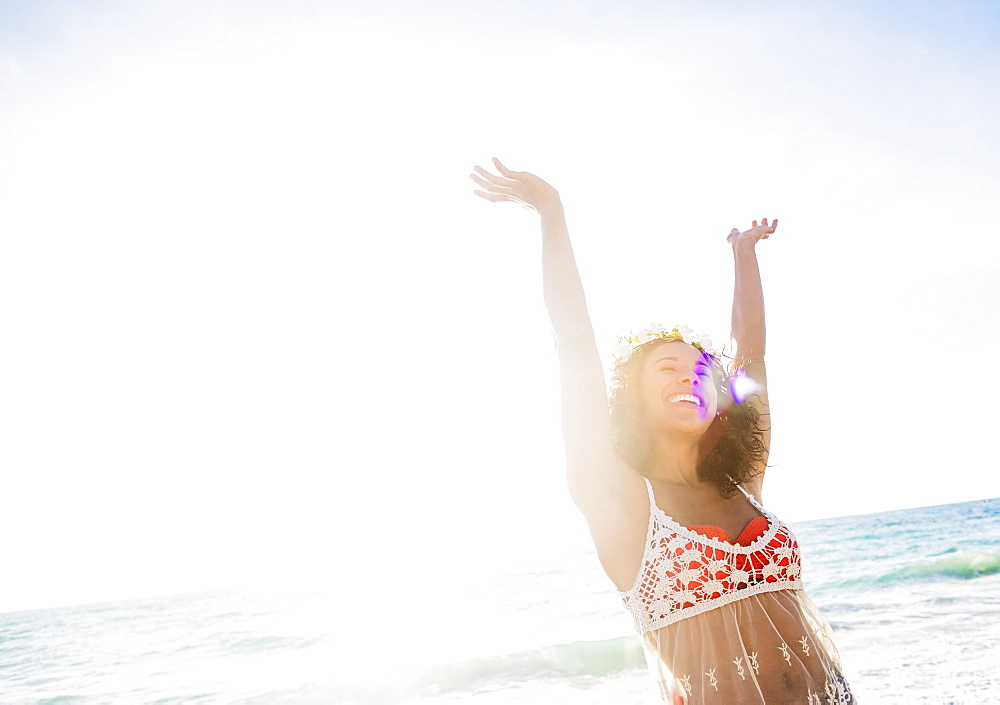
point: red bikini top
(753, 531)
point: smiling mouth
(684, 399)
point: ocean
(913, 597)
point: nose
(689, 377)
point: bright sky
(257, 328)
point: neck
(675, 460)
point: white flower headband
(628, 344)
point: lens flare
(742, 386)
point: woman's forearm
(562, 286)
(748, 302)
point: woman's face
(678, 389)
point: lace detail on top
(685, 573)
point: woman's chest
(733, 516)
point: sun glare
(742, 386)
(212, 237)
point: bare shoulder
(617, 512)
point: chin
(698, 427)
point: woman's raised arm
(748, 328)
(563, 289)
(603, 486)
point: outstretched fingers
(519, 186)
(484, 181)
(492, 178)
(758, 230)
(493, 185)
(502, 169)
(495, 197)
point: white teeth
(685, 397)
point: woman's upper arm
(608, 491)
(756, 395)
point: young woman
(669, 480)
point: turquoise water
(913, 596)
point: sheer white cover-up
(728, 623)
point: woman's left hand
(755, 233)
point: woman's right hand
(516, 186)
(754, 234)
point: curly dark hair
(730, 452)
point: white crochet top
(685, 573)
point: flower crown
(628, 344)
